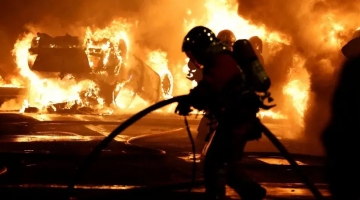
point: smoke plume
(160, 21)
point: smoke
(311, 25)
(160, 21)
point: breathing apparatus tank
(255, 73)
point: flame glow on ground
(217, 15)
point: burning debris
(111, 74)
(118, 76)
(89, 76)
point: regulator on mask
(255, 73)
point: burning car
(105, 62)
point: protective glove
(183, 108)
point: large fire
(217, 15)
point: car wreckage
(108, 64)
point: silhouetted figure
(227, 92)
(205, 127)
(339, 137)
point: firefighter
(223, 92)
(195, 74)
(341, 169)
(257, 44)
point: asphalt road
(165, 132)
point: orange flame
(217, 15)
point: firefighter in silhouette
(341, 170)
(341, 147)
(195, 74)
(227, 92)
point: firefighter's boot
(245, 187)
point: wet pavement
(155, 129)
(58, 127)
(158, 132)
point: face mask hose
(103, 144)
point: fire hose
(103, 144)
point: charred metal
(106, 63)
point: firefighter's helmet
(227, 37)
(197, 41)
(198, 38)
(257, 43)
(352, 48)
